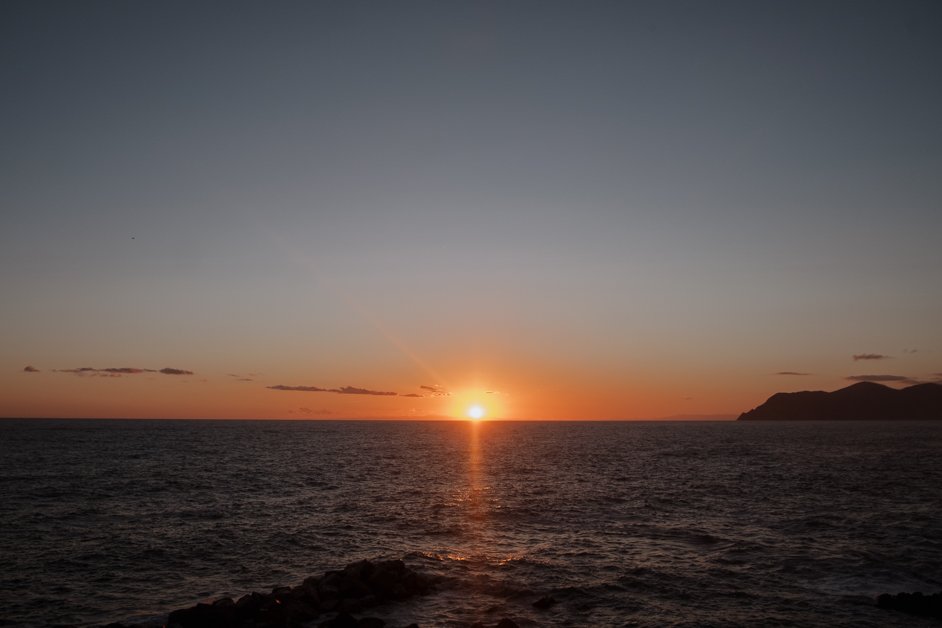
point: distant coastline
(865, 401)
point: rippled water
(647, 524)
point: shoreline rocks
(913, 603)
(354, 589)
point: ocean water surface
(624, 523)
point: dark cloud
(298, 388)
(170, 371)
(900, 379)
(343, 390)
(239, 378)
(352, 390)
(114, 371)
(118, 371)
(30, 369)
(412, 395)
(437, 391)
(792, 373)
(870, 356)
(910, 351)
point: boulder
(203, 616)
(341, 620)
(545, 602)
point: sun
(476, 412)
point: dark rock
(356, 604)
(352, 586)
(413, 583)
(386, 577)
(371, 622)
(545, 602)
(360, 570)
(331, 580)
(272, 615)
(342, 620)
(224, 602)
(203, 616)
(913, 603)
(248, 605)
(348, 605)
(307, 594)
(507, 623)
(330, 604)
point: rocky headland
(865, 401)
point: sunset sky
(585, 210)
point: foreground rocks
(913, 603)
(337, 596)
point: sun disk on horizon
(476, 412)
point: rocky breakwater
(333, 598)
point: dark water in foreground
(647, 524)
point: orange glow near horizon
(504, 389)
(476, 403)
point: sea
(622, 523)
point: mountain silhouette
(864, 401)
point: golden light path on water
(482, 551)
(480, 554)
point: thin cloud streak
(118, 371)
(901, 379)
(30, 369)
(870, 356)
(352, 390)
(797, 373)
(343, 390)
(310, 412)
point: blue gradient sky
(586, 210)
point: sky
(555, 210)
